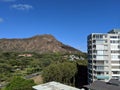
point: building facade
(104, 56)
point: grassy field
(37, 79)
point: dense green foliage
(11, 64)
(57, 64)
(18, 83)
(60, 72)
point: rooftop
(114, 31)
(54, 86)
(100, 85)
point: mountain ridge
(38, 43)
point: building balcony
(102, 70)
(99, 64)
(102, 77)
(115, 69)
(103, 54)
(115, 64)
(115, 59)
(104, 59)
(115, 74)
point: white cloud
(7, 0)
(22, 6)
(1, 20)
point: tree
(18, 83)
(60, 72)
(82, 62)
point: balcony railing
(102, 77)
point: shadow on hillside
(81, 76)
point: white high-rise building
(104, 56)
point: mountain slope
(39, 44)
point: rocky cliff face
(39, 44)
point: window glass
(100, 41)
(99, 57)
(100, 52)
(99, 47)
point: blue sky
(70, 21)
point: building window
(115, 72)
(119, 56)
(100, 41)
(115, 51)
(114, 56)
(113, 37)
(107, 72)
(105, 36)
(105, 47)
(100, 47)
(105, 41)
(94, 36)
(100, 57)
(100, 67)
(106, 61)
(114, 47)
(119, 46)
(114, 41)
(100, 52)
(98, 36)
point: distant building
(73, 57)
(54, 86)
(100, 85)
(25, 55)
(104, 56)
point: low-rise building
(54, 86)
